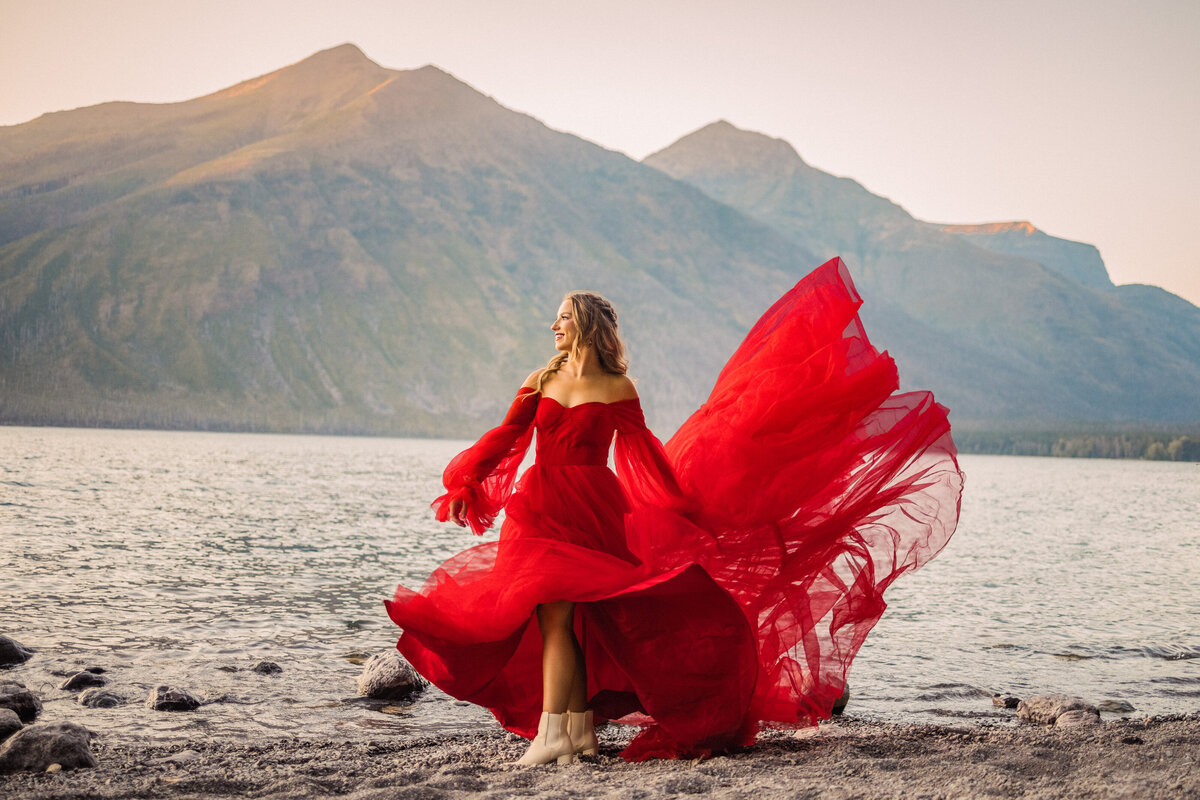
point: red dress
(724, 582)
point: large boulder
(13, 652)
(15, 696)
(38, 746)
(167, 698)
(10, 723)
(82, 680)
(388, 676)
(1047, 708)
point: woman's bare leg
(564, 674)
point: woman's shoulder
(621, 387)
(534, 379)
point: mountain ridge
(379, 252)
(1029, 302)
(303, 280)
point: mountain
(1076, 260)
(1008, 325)
(340, 247)
(337, 246)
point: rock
(1005, 701)
(82, 680)
(1076, 717)
(53, 768)
(182, 757)
(1115, 706)
(388, 676)
(267, 668)
(13, 652)
(1046, 708)
(36, 747)
(10, 723)
(166, 698)
(15, 696)
(99, 698)
(95, 670)
(839, 705)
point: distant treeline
(1148, 446)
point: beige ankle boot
(582, 732)
(552, 742)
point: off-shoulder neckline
(527, 390)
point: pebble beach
(1144, 758)
(1051, 745)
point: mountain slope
(340, 247)
(337, 246)
(1005, 324)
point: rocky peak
(987, 228)
(721, 147)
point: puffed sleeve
(642, 465)
(483, 474)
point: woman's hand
(458, 512)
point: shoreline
(849, 757)
(1135, 442)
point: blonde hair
(596, 323)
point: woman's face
(565, 332)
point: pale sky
(1081, 116)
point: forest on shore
(1148, 446)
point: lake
(185, 558)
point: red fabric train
(724, 582)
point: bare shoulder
(532, 381)
(622, 388)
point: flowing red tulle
(724, 582)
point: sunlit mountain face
(341, 247)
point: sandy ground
(1143, 758)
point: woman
(723, 583)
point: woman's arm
(479, 480)
(642, 465)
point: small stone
(388, 676)
(1115, 706)
(167, 698)
(13, 652)
(182, 757)
(1046, 708)
(55, 767)
(10, 723)
(82, 680)
(1076, 717)
(95, 670)
(15, 696)
(1005, 701)
(36, 747)
(267, 668)
(97, 697)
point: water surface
(185, 558)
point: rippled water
(185, 558)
